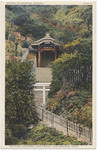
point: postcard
(48, 74)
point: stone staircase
(43, 75)
(38, 98)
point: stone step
(38, 97)
(43, 75)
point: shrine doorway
(46, 58)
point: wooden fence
(67, 127)
(81, 74)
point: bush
(42, 135)
(19, 110)
(9, 139)
(75, 104)
(10, 46)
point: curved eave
(46, 40)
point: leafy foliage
(63, 67)
(42, 135)
(63, 22)
(73, 102)
(19, 97)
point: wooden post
(55, 55)
(38, 58)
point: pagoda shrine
(43, 51)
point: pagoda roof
(46, 40)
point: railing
(67, 127)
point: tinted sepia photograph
(49, 74)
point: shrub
(19, 110)
(42, 135)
